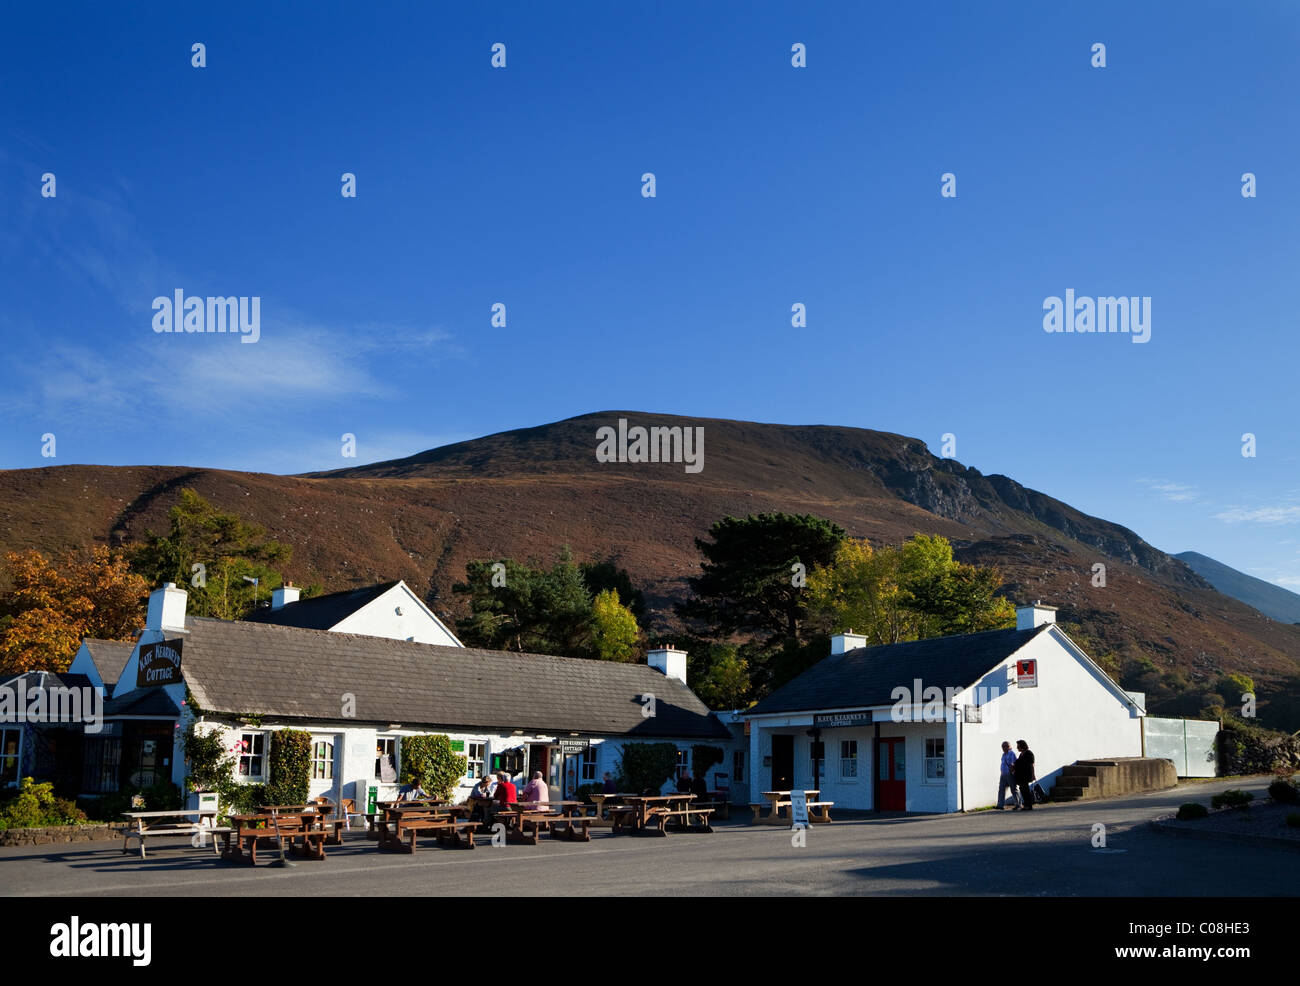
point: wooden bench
(541, 821)
(818, 811)
(149, 824)
(252, 829)
(622, 817)
(574, 827)
(684, 818)
(453, 831)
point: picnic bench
(273, 827)
(818, 811)
(333, 827)
(151, 824)
(638, 811)
(690, 818)
(410, 821)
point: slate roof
(321, 612)
(41, 680)
(142, 702)
(110, 657)
(245, 668)
(867, 676)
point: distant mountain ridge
(1272, 600)
(530, 492)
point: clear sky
(775, 185)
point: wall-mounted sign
(160, 664)
(1027, 674)
(572, 746)
(972, 713)
(458, 746)
(831, 720)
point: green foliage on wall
(643, 766)
(432, 762)
(290, 767)
(703, 757)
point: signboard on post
(1027, 673)
(799, 810)
(159, 664)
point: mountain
(1272, 600)
(527, 493)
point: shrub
(1284, 792)
(208, 760)
(430, 761)
(1232, 798)
(290, 763)
(35, 805)
(1191, 810)
(642, 766)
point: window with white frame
(322, 760)
(252, 756)
(738, 766)
(386, 749)
(9, 743)
(934, 760)
(588, 765)
(476, 757)
(849, 760)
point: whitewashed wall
(380, 618)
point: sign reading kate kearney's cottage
(160, 664)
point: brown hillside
(526, 493)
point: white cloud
(1174, 492)
(1276, 514)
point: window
(101, 765)
(386, 750)
(252, 755)
(9, 739)
(322, 760)
(683, 762)
(849, 759)
(738, 766)
(934, 761)
(588, 765)
(476, 755)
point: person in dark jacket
(1025, 774)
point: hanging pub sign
(159, 664)
(1027, 673)
(569, 747)
(831, 720)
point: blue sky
(775, 185)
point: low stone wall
(1127, 775)
(54, 834)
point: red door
(891, 765)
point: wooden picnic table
(637, 810)
(818, 811)
(267, 826)
(321, 812)
(409, 820)
(179, 824)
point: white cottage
(358, 694)
(918, 726)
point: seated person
(536, 790)
(699, 788)
(505, 792)
(481, 796)
(412, 791)
(684, 783)
(609, 786)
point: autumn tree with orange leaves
(50, 607)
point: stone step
(1068, 792)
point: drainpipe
(961, 774)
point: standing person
(536, 791)
(609, 787)
(1008, 779)
(1024, 774)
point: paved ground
(1047, 852)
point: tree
(615, 634)
(526, 608)
(598, 576)
(208, 552)
(49, 609)
(753, 574)
(725, 682)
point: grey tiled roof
(248, 668)
(868, 675)
(321, 612)
(142, 702)
(110, 657)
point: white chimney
(287, 593)
(1029, 617)
(842, 642)
(668, 661)
(167, 608)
